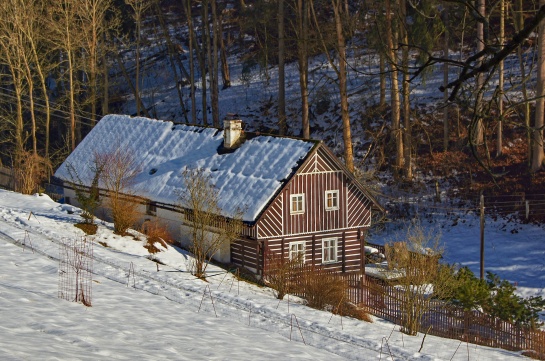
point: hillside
(141, 311)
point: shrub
(125, 213)
(156, 232)
(30, 171)
(88, 197)
(118, 173)
(497, 298)
(323, 289)
(280, 273)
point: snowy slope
(155, 314)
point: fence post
(527, 209)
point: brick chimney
(232, 130)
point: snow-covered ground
(168, 314)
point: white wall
(173, 221)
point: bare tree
(341, 70)
(394, 85)
(538, 155)
(93, 20)
(118, 171)
(419, 274)
(67, 36)
(281, 70)
(139, 7)
(209, 230)
(302, 32)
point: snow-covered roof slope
(246, 179)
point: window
(331, 200)
(151, 208)
(297, 204)
(329, 250)
(297, 251)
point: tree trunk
(538, 155)
(137, 61)
(192, 39)
(445, 81)
(172, 54)
(519, 24)
(203, 59)
(281, 72)
(499, 135)
(225, 73)
(394, 89)
(382, 68)
(407, 136)
(345, 115)
(477, 131)
(302, 41)
(214, 70)
(105, 80)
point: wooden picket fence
(453, 322)
(442, 319)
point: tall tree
(339, 19)
(67, 35)
(406, 91)
(538, 155)
(445, 79)
(139, 8)
(281, 71)
(302, 32)
(214, 63)
(477, 130)
(394, 86)
(499, 134)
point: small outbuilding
(298, 199)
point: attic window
(297, 204)
(152, 171)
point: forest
(361, 65)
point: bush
(497, 298)
(125, 213)
(118, 171)
(30, 171)
(280, 273)
(323, 289)
(156, 232)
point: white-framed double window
(329, 250)
(297, 203)
(297, 251)
(332, 200)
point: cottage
(298, 198)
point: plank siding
(358, 207)
(278, 226)
(245, 253)
(352, 249)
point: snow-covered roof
(247, 178)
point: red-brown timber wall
(248, 254)
(317, 176)
(350, 249)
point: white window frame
(300, 249)
(302, 201)
(335, 195)
(330, 245)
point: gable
(320, 175)
(246, 178)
